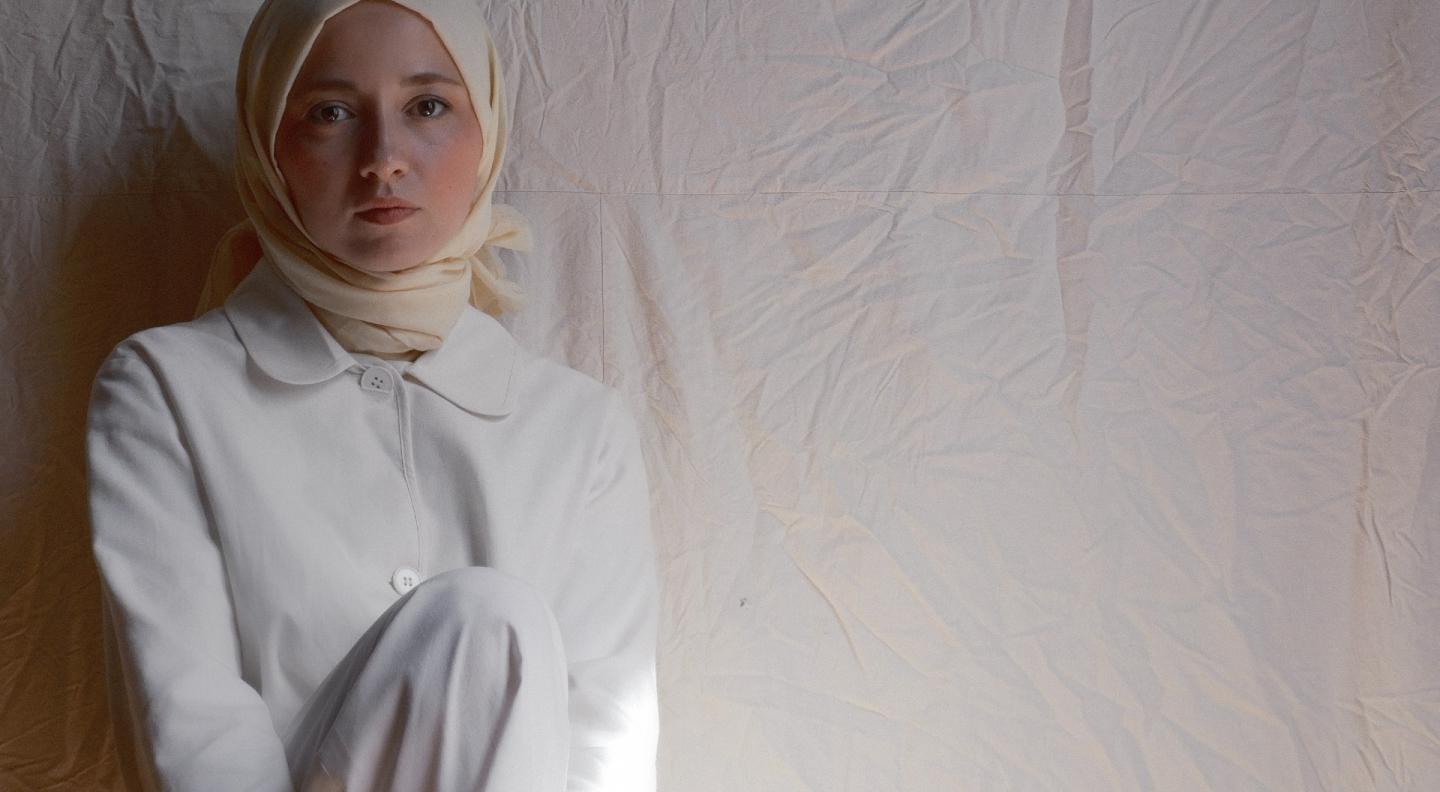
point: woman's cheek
(461, 180)
(315, 168)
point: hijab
(390, 314)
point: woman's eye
(330, 113)
(430, 108)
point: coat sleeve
(182, 711)
(613, 702)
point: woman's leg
(460, 685)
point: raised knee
(480, 598)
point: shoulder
(539, 373)
(175, 348)
(144, 378)
(543, 377)
(568, 397)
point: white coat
(257, 494)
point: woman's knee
(483, 601)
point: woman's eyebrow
(338, 84)
(429, 78)
(316, 86)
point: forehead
(378, 40)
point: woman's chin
(381, 267)
(384, 263)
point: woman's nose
(381, 151)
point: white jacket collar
(474, 368)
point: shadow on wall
(128, 257)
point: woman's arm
(614, 599)
(190, 720)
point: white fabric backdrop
(1037, 395)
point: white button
(404, 579)
(375, 378)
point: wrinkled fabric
(1039, 395)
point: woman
(350, 535)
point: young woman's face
(379, 144)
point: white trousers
(460, 685)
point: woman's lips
(387, 215)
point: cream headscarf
(388, 314)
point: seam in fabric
(600, 235)
(743, 193)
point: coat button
(376, 378)
(404, 579)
